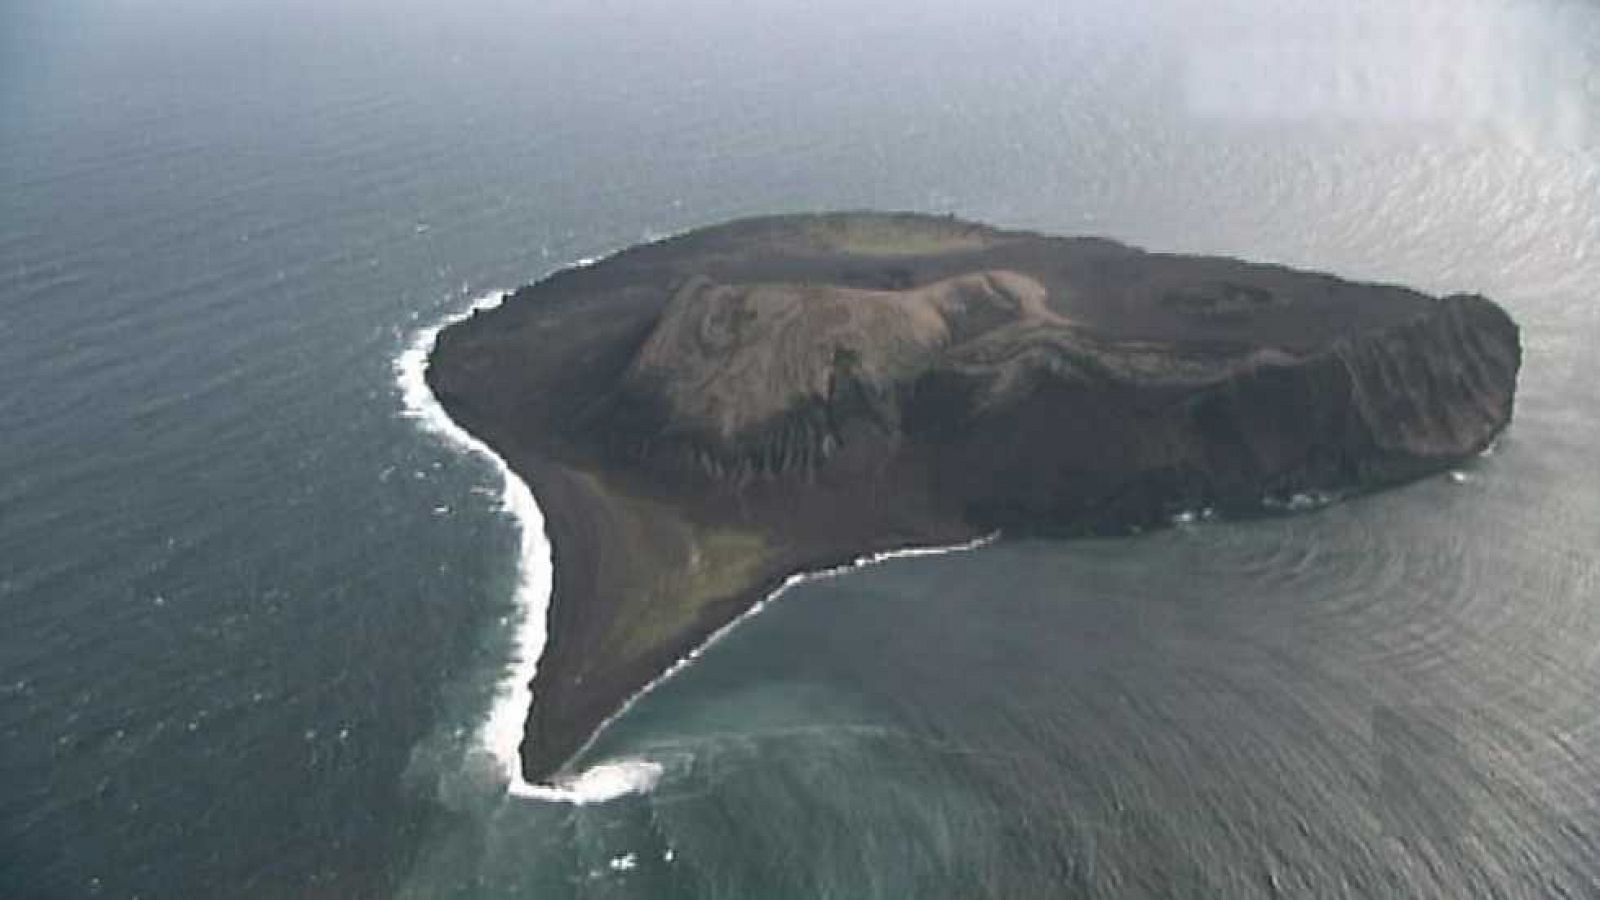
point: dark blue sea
(260, 608)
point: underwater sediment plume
(704, 416)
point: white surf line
(501, 731)
(792, 581)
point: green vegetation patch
(898, 236)
(675, 569)
(721, 564)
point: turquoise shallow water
(251, 617)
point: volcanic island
(704, 416)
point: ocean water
(258, 609)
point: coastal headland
(704, 416)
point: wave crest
(501, 733)
(596, 784)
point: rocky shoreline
(702, 417)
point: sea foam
(501, 733)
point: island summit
(704, 416)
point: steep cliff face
(702, 417)
(1087, 454)
(1438, 388)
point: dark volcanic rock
(703, 416)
